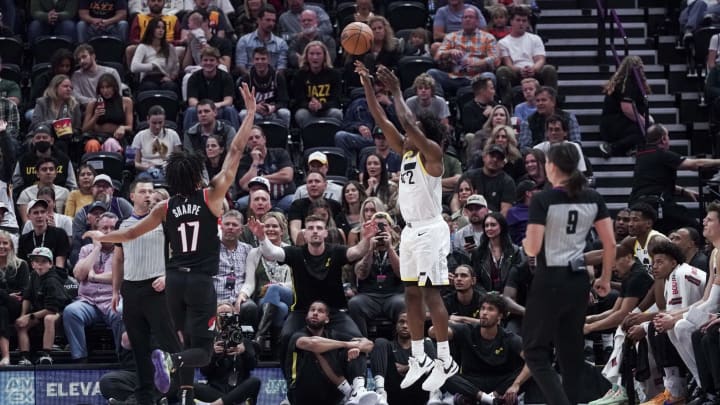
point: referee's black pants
(706, 346)
(146, 315)
(554, 317)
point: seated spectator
(517, 216)
(59, 109)
(452, 170)
(321, 208)
(273, 164)
(268, 282)
(102, 17)
(46, 170)
(156, 9)
(94, 272)
(44, 235)
(499, 116)
(154, 145)
(10, 89)
(692, 15)
(504, 136)
(466, 53)
(353, 195)
(259, 206)
(478, 110)
(310, 32)
(363, 11)
(369, 207)
(463, 305)
(217, 12)
(213, 84)
(524, 110)
(376, 180)
(316, 185)
(289, 21)
(532, 131)
(156, 59)
(625, 109)
(318, 162)
(263, 37)
(449, 18)
(417, 44)
(425, 100)
(712, 92)
(85, 79)
(523, 56)
(688, 240)
(463, 190)
(198, 37)
(41, 146)
(385, 50)
(52, 18)
(43, 302)
(556, 131)
(535, 168)
(468, 237)
(108, 118)
(214, 156)
(8, 145)
(208, 124)
(382, 149)
(246, 20)
(55, 219)
(271, 93)
(81, 196)
(317, 86)
(713, 54)
(496, 255)
(14, 279)
(491, 181)
(499, 26)
(8, 221)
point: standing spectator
(310, 32)
(208, 124)
(52, 18)
(466, 53)
(492, 182)
(154, 145)
(271, 93)
(213, 84)
(81, 196)
(156, 60)
(41, 146)
(109, 117)
(523, 56)
(14, 279)
(102, 17)
(138, 27)
(496, 255)
(317, 86)
(290, 20)
(532, 131)
(85, 79)
(59, 108)
(46, 170)
(449, 19)
(425, 99)
(277, 47)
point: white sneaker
(416, 371)
(440, 373)
(382, 396)
(361, 396)
(436, 398)
(285, 402)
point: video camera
(232, 331)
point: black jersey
(192, 230)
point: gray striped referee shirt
(144, 256)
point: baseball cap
(259, 180)
(41, 252)
(476, 199)
(103, 177)
(96, 205)
(42, 129)
(34, 203)
(318, 156)
(522, 188)
(378, 133)
(496, 149)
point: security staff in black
(190, 221)
(559, 221)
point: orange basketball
(356, 38)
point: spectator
(523, 56)
(693, 14)
(318, 162)
(517, 216)
(43, 302)
(213, 84)
(46, 170)
(449, 19)
(310, 32)
(353, 195)
(198, 37)
(41, 146)
(524, 110)
(713, 52)
(620, 223)
(85, 80)
(317, 86)
(425, 100)
(156, 9)
(382, 149)
(712, 92)
(61, 63)
(59, 108)
(271, 93)
(277, 47)
(532, 131)
(269, 282)
(468, 237)
(380, 289)
(463, 190)
(153, 146)
(156, 59)
(688, 240)
(272, 164)
(463, 305)
(321, 208)
(102, 17)
(214, 156)
(94, 272)
(491, 181)
(108, 118)
(259, 206)
(316, 184)
(496, 255)
(247, 18)
(376, 180)
(504, 136)
(535, 168)
(52, 18)
(625, 109)
(208, 124)
(556, 131)
(498, 116)
(369, 207)
(218, 21)
(499, 26)
(466, 53)
(290, 23)
(417, 44)
(55, 219)
(385, 50)
(14, 280)
(9, 89)
(10, 117)
(363, 11)
(44, 235)
(81, 196)
(478, 110)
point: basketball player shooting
(425, 240)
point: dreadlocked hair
(183, 172)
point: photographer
(380, 290)
(228, 374)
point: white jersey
(684, 287)
(420, 194)
(641, 251)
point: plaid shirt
(480, 52)
(9, 112)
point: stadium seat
(11, 72)
(108, 163)
(38, 69)
(345, 14)
(337, 162)
(45, 46)
(339, 180)
(409, 67)
(276, 134)
(115, 65)
(108, 48)
(168, 100)
(407, 15)
(320, 132)
(11, 50)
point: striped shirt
(231, 272)
(480, 52)
(144, 256)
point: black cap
(42, 129)
(523, 187)
(98, 204)
(496, 149)
(378, 133)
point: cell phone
(381, 226)
(470, 240)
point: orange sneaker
(665, 398)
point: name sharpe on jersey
(186, 209)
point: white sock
(358, 382)
(673, 382)
(486, 398)
(345, 388)
(589, 344)
(379, 382)
(418, 349)
(443, 352)
(713, 301)
(607, 340)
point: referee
(559, 221)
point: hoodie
(46, 292)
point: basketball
(356, 38)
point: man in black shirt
(271, 91)
(213, 83)
(688, 240)
(463, 306)
(515, 292)
(492, 182)
(41, 145)
(44, 235)
(316, 183)
(492, 364)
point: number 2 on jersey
(407, 177)
(572, 222)
(195, 225)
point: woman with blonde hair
(14, 278)
(317, 86)
(622, 122)
(59, 108)
(504, 135)
(368, 208)
(385, 50)
(499, 115)
(246, 21)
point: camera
(381, 226)
(232, 331)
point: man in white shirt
(556, 131)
